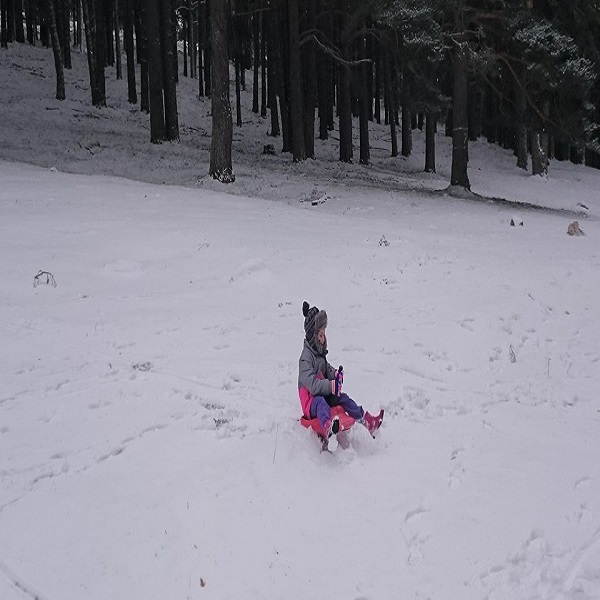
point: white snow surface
(150, 444)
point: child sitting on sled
(319, 384)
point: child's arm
(308, 379)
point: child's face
(321, 337)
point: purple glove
(338, 381)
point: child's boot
(331, 443)
(372, 423)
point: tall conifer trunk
(296, 92)
(256, 61)
(310, 84)
(263, 67)
(19, 32)
(30, 21)
(206, 22)
(460, 138)
(129, 49)
(344, 93)
(363, 107)
(142, 53)
(100, 44)
(117, 28)
(271, 54)
(158, 131)
(521, 142)
(222, 121)
(4, 23)
(391, 107)
(169, 57)
(63, 25)
(91, 37)
(406, 117)
(324, 75)
(429, 143)
(280, 53)
(56, 49)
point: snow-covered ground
(149, 438)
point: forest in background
(522, 73)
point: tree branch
(309, 36)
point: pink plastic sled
(346, 422)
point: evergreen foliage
(523, 68)
(557, 76)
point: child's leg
(320, 409)
(350, 407)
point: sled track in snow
(575, 567)
(19, 584)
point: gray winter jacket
(315, 373)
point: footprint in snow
(582, 483)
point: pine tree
(222, 122)
(422, 50)
(56, 48)
(557, 81)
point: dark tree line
(520, 73)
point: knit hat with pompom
(314, 320)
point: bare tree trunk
(238, 85)
(169, 58)
(208, 45)
(377, 67)
(44, 29)
(460, 139)
(539, 160)
(141, 39)
(19, 32)
(475, 109)
(271, 55)
(310, 84)
(192, 26)
(78, 25)
(57, 50)
(406, 131)
(344, 92)
(429, 143)
(129, 49)
(296, 93)
(118, 41)
(186, 40)
(521, 142)
(263, 67)
(390, 100)
(89, 17)
(4, 23)
(63, 25)
(237, 38)
(222, 122)
(406, 117)
(255, 61)
(325, 75)
(282, 50)
(108, 26)
(158, 131)
(363, 107)
(30, 21)
(100, 45)
(345, 115)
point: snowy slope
(149, 438)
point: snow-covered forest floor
(149, 438)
